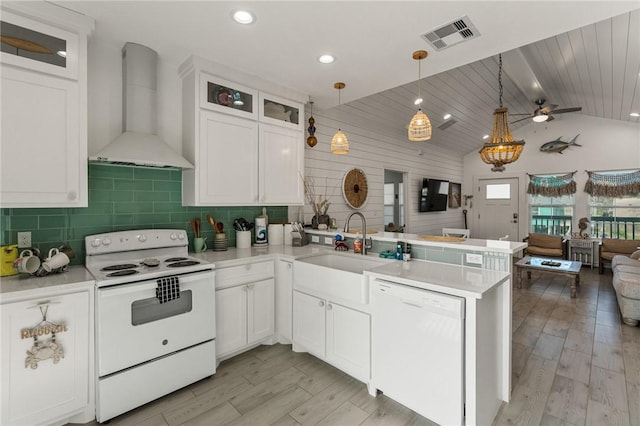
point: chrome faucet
(365, 244)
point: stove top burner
(122, 273)
(119, 267)
(176, 259)
(183, 263)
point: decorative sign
(49, 349)
(355, 188)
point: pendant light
(339, 143)
(311, 140)
(502, 148)
(420, 125)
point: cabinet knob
(72, 195)
(329, 307)
(250, 286)
(321, 303)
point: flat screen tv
(433, 195)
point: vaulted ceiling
(577, 53)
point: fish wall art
(558, 145)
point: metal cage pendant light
(502, 148)
(420, 125)
(339, 142)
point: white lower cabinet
(335, 333)
(284, 295)
(53, 384)
(245, 308)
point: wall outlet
(24, 239)
(328, 240)
(474, 258)
(315, 239)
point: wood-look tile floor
(574, 363)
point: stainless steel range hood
(139, 144)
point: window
(614, 204)
(551, 215)
(498, 191)
(615, 217)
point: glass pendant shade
(339, 143)
(419, 127)
(502, 148)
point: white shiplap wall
(375, 146)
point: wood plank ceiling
(596, 67)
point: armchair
(611, 247)
(545, 245)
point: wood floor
(574, 363)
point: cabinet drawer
(234, 275)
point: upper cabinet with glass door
(37, 46)
(281, 112)
(228, 97)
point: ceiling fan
(545, 112)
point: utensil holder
(243, 239)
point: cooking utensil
(219, 227)
(198, 225)
(194, 226)
(212, 222)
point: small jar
(357, 244)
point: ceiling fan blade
(562, 110)
(522, 114)
(548, 108)
(521, 119)
(550, 117)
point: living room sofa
(626, 283)
(612, 247)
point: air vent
(451, 34)
(447, 124)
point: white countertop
(510, 247)
(234, 255)
(457, 280)
(18, 287)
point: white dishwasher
(418, 350)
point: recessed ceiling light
(418, 101)
(61, 53)
(635, 114)
(485, 137)
(326, 59)
(243, 17)
(447, 116)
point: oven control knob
(142, 238)
(95, 242)
(106, 241)
(173, 236)
(181, 235)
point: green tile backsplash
(122, 198)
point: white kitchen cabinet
(241, 156)
(245, 307)
(52, 392)
(226, 162)
(281, 165)
(309, 324)
(334, 333)
(284, 300)
(44, 108)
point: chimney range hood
(139, 144)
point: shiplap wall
(373, 148)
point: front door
(497, 206)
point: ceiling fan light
(540, 117)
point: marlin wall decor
(558, 145)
